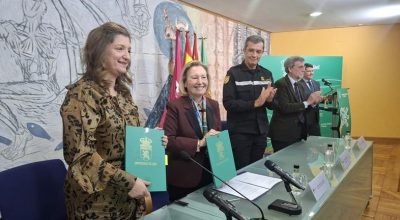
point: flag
(188, 52)
(173, 94)
(203, 51)
(157, 112)
(195, 50)
(173, 90)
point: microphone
(283, 174)
(326, 82)
(185, 155)
(225, 206)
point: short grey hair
(289, 62)
(255, 39)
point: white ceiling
(292, 15)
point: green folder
(221, 157)
(144, 156)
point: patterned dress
(94, 122)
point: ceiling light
(316, 14)
(385, 12)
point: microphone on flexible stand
(285, 176)
(326, 82)
(329, 95)
(185, 155)
(225, 206)
(291, 208)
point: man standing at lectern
(312, 112)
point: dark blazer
(285, 124)
(183, 131)
(312, 113)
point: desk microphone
(225, 206)
(185, 155)
(291, 208)
(326, 82)
(283, 174)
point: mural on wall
(30, 90)
(40, 44)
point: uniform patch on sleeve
(226, 80)
(265, 79)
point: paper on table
(257, 180)
(249, 184)
(250, 191)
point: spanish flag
(188, 52)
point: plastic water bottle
(329, 156)
(300, 177)
(347, 140)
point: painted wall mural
(40, 44)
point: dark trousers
(313, 127)
(247, 148)
(279, 145)
(314, 130)
(176, 192)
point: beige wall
(371, 69)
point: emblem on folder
(220, 150)
(146, 148)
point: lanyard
(201, 114)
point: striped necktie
(310, 85)
(298, 94)
(297, 91)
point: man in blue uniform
(247, 92)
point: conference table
(346, 198)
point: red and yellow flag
(188, 52)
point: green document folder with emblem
(221, 157)
(144, 156)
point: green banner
(344, 111)
(325, 67)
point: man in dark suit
(288, 122)
(312, 113)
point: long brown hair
(93, 55)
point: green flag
(344, 111)
(203, 53)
